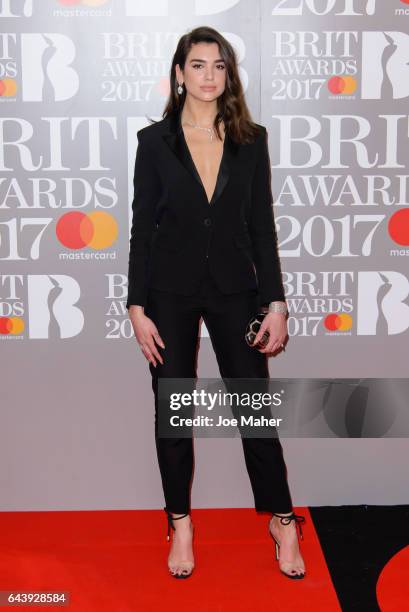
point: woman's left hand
(275, 324)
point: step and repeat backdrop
(78, 78)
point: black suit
(191, 259)
(175, 231)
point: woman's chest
(207, 156)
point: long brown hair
(231, 105)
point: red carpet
(116, 561)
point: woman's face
(204, 74)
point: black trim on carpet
(357, 542)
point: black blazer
(175, 229)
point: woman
(203, 243)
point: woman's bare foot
(181, 560)
(290, 558)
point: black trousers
(177, 318)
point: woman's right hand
(146, 333)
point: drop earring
(180, 89)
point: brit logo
(385, 65)
(381, 307)
(52, 309)
(47, 73)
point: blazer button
(207, 221)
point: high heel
(286, 520)
(172, 526)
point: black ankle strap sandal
(286, 520)
(187, 571)
(170, 521)
(297, 518)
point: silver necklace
(209, 130)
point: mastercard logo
(8, 88)
(11, 325)
(338, 322)
(341, 85)
(398, 225)
(85, 2)
(96, 230)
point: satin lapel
(176, 140)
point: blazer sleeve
(147, 190)
(263, 230)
